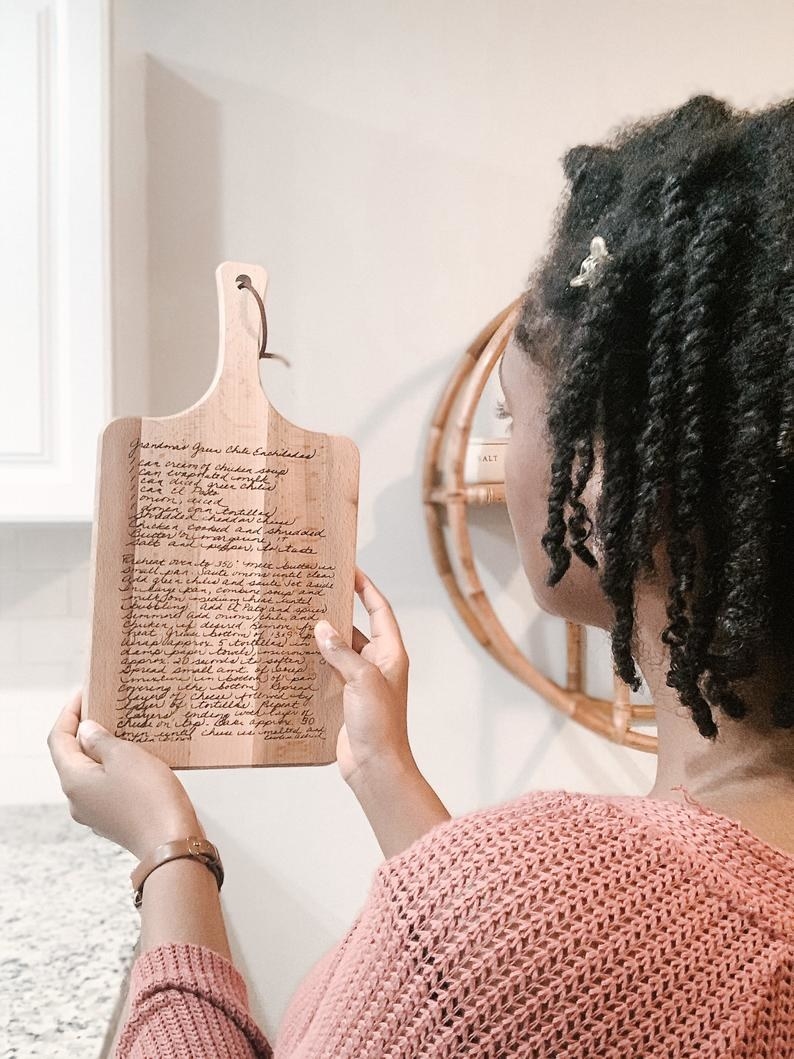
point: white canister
(485, 460)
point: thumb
(335, 651)
(95, 741)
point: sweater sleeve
(189, 1002)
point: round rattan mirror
(447, 497)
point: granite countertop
(67, 932)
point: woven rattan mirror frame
(447, 496)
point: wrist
(383, 772)
(181, 824)
(399, 803)
(193, 849)
(395, 784)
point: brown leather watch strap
(193, 847)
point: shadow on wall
(399, 521)
(251, 884)
(184, 193)
(399, 529)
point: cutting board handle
(240, 319)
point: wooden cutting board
(221, 535)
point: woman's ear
(591, 498)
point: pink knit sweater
(556, 925)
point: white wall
(394, 166)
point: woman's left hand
(116, 788)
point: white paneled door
(54, 281)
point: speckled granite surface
(67, 932)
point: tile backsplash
(44, 570)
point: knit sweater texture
(558, 924)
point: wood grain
(221, 535)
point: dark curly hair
(676, 361)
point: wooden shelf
(479, 494)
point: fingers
(73, 707)
(96, 741)
(352, 667)
(62, 742)
(381, 617)
(71, 740)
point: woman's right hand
(374, 735)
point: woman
(650, 484)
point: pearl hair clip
(598, 253)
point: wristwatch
(194, 847)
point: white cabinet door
(54, 283)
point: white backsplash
(44, 571)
